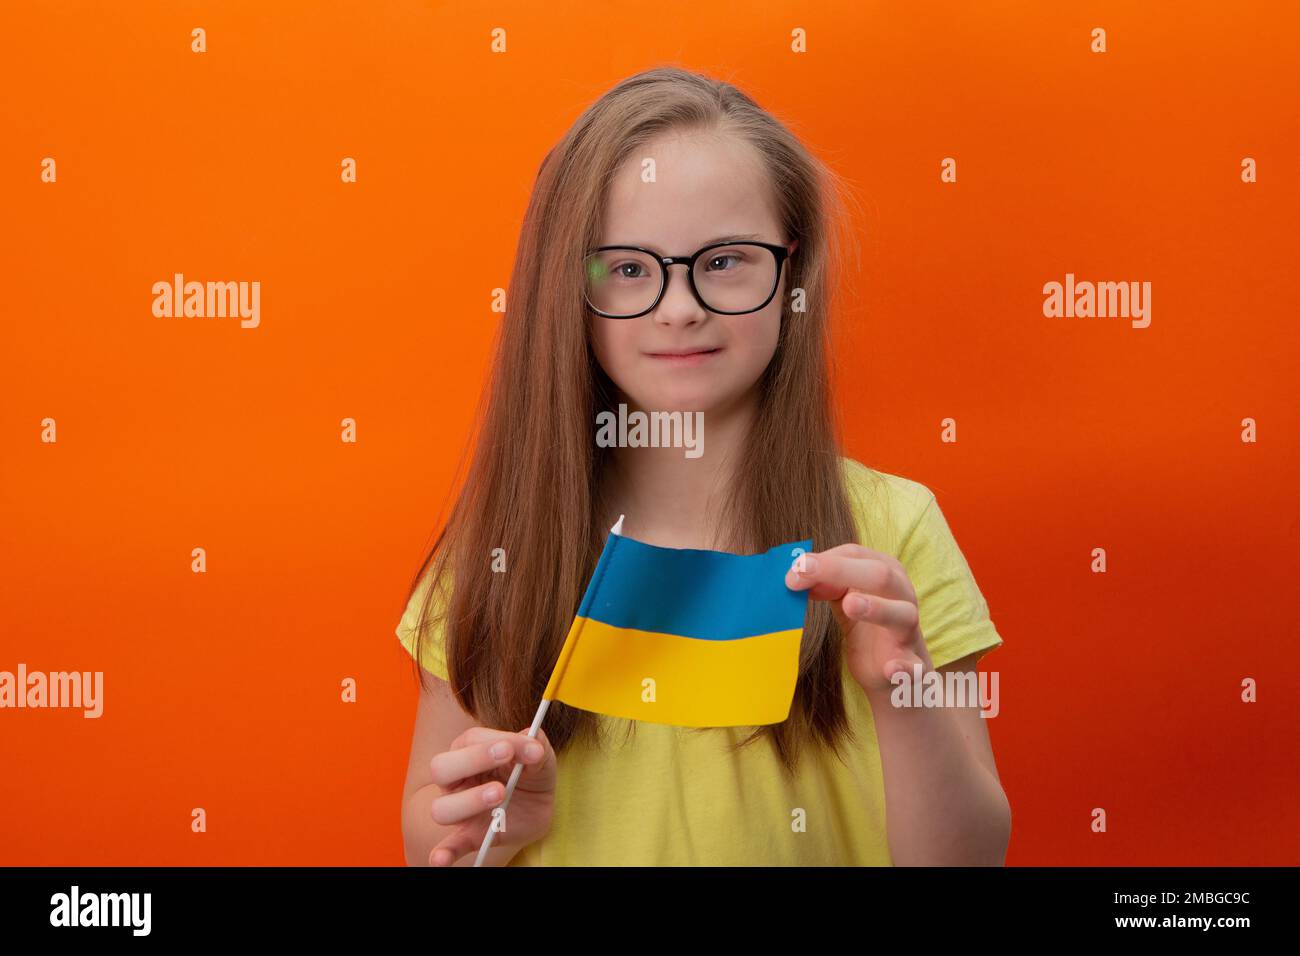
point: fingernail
(534, 751)
(806, 564)
(500, 751)
(490, 795)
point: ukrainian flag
(687, 637)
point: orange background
(222, 690)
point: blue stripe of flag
(709, 595)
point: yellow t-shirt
(677, 796)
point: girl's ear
(794, 245)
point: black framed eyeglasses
(728, 278)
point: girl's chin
(679, 400)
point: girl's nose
(679, 305)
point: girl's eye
(633, 274)
(721, 258)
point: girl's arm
(944, 803)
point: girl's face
(707, 187)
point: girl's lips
(685, 360)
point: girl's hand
(875, 603)
(472, 776)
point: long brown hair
(534, 484)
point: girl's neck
(673, 501)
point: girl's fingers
(456, 807)
(852, 549)
(524, 745)
(453, 847)
(535, 760)
(829, 575)
(899, 616)
(899, 664)
(451, 767)
(475, 753)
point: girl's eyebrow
(736, 238)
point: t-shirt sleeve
(954, 615)
(432, 648)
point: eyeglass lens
(735, 278)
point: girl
(674, 164)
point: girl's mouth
(685, 358)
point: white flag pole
(519, 767)
(510, 788)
